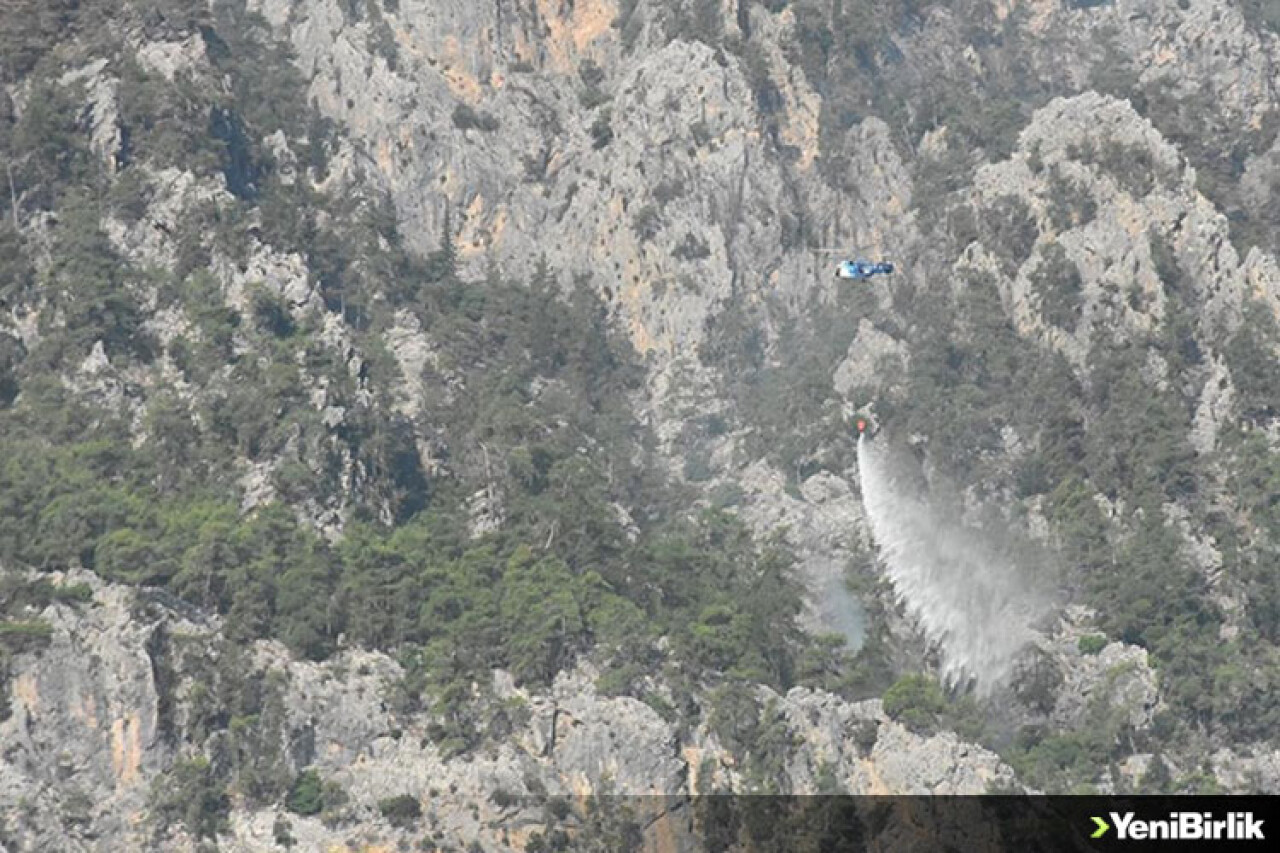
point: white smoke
(976, 605)
(836, 609)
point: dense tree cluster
(515, 519)
(1110, 435)
(139, 472)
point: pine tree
(442, 264)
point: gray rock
(873, 355)
(1119, 677)
(1256, 771)
(84, 737)
(106, 139)
(169, 59)
(92, 729)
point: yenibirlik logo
(1182, 826)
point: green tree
(1252, 357)
(402, 811)
(376, 589)
(541, 618)
(915, 700)
(306, 796)
(1091, 644)
(87, 287)
(306, 612)
(1058, 287)
(190, 794)
(442, 264)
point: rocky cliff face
(563, 121)
(114, 699)
(641, 163)
(685, 178)
(84, 738)
(1085, 188)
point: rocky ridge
(112, 701)
(679, 208)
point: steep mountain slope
(413, 375)
(321, 751)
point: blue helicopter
(859, 269)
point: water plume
(973, 601)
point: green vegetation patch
(402, 811)
(1091, 644)
(916, 701)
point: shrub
(668, 190)
(602, 129)
(1132, 166)
(1070, 204)
(1258, 13)
(865, 736)
(402, 811)
(1010, 230)
(590, 73)
(282, 833)
(1037, 682)
(191, 794)
(306, 797)
(1091, 644)
(647, 222)
(592, 97)
(915, 700)
(20, 636)
(692, 248)
(271, 313)
(1058, 288)
(466, 117)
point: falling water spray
(975, 604)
